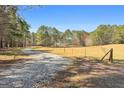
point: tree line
(14, 30)
(107, 34)
(50, 36)
(102, 35)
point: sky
(73, 17)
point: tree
(3, 24)
(79, 37)
(33, 39)
(13, 28)
(55, 36)
(102, 35)
(25, 31)
(43, 37)
(67, 37)
(8, 25)
(118, 34)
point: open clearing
(91, 51)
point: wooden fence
(110, 53)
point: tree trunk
(0, 42)
(8, 44)
(3, 42)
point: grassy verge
(11, 54)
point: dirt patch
(87, 73)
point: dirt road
(40, 68)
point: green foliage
(14, 29)
(48, 36)
(108, 34)
(42, 35)
(67, 37)
(118, 36)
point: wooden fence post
(14, 55)
(111, 56)
(64, 50)
(85, 52)
(72, 51)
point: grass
(91, 51)
(11, 54)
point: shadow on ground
(89, 73)
(9, 63)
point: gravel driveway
(41, 68)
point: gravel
(25, 74)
